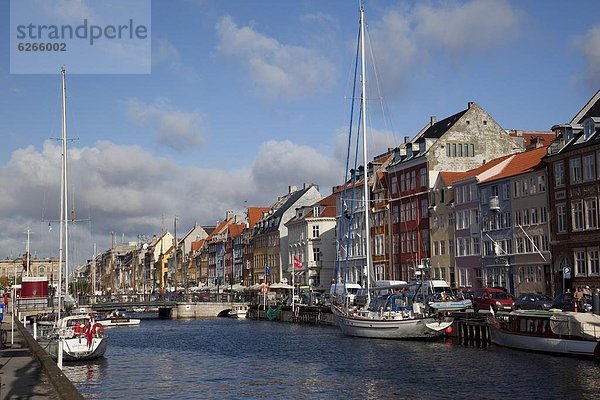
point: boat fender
(97, 328)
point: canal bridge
(172, 307)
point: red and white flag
(297, 262)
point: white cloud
(174, 128)
(126, 190)
(589, 46)
(466, 28)
(67, 10)
(277, 70)
(406, 37)
(164, 52)
(283, 163)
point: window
(413, 205)
(403, 242)
(541, 183)
(579, 256)
(559, 174)
(451, 247)
(532, 185)
(316, 254)
(543, 214)
(402, 212)
(516, 189)
(394, 184)
(476, 246)
(442, 247)
(575, 170)
(413, 179)
(593, 261)
(315, 230)
(379, 245)
(424, 208)
(436, 248)
(423, 177)
(589, 169)
(577, 215)
(561, 218)
(591, 213)
(472, 147)
(447, 149)
(402, 185)
(506, 191)
(519, 245)
(534, 216)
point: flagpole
(293, 288)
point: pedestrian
(5, 301)
(578, 297)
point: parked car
(564, 301)
(497, 299)
(533, 301)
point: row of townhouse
(478, 206)
(465, 201)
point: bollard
(35, 328)
(596, 301)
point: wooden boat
(562, 333)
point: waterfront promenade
(26, 370)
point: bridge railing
(232, 297)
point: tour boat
(562, 333)
(117, 318)
(80, 337)
(240, 311)
(441, 298)
(390, 316)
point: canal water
(224, 358)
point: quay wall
(63, 386)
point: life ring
(97, 328)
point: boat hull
(410, 328)
(77, 349)
(118, 322)
(561, 346)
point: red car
(497, 299)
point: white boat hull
(78, 349)
(118, 322)
(564, 346)
(410, 328)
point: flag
(297, 262)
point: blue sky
(248, 97)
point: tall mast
(63, 241)
(363, 99)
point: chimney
(469, 104)
(228, 215)
(406, 138)
(292, 189)
(432, 120)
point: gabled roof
(520, 163)
(591, 109)
(255, 214)
(450, 177)
(438, 129)
(235, 230)
(197, 245)
(490, 168)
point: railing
(156, 299)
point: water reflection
(223, 358)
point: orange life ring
(97, 328)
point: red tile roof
(255, 214)
(450, 177)
(521, 163)
(197, 245)
(235, 230)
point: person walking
(578, 297)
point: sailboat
(391, 312)
(75, 337)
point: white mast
(363, 101)
(63, 236)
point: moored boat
(561, 333)
(238, 311)
(117, 318)
(80, 337)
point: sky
(248, 97)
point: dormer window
(588, 128)
(316, 211)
